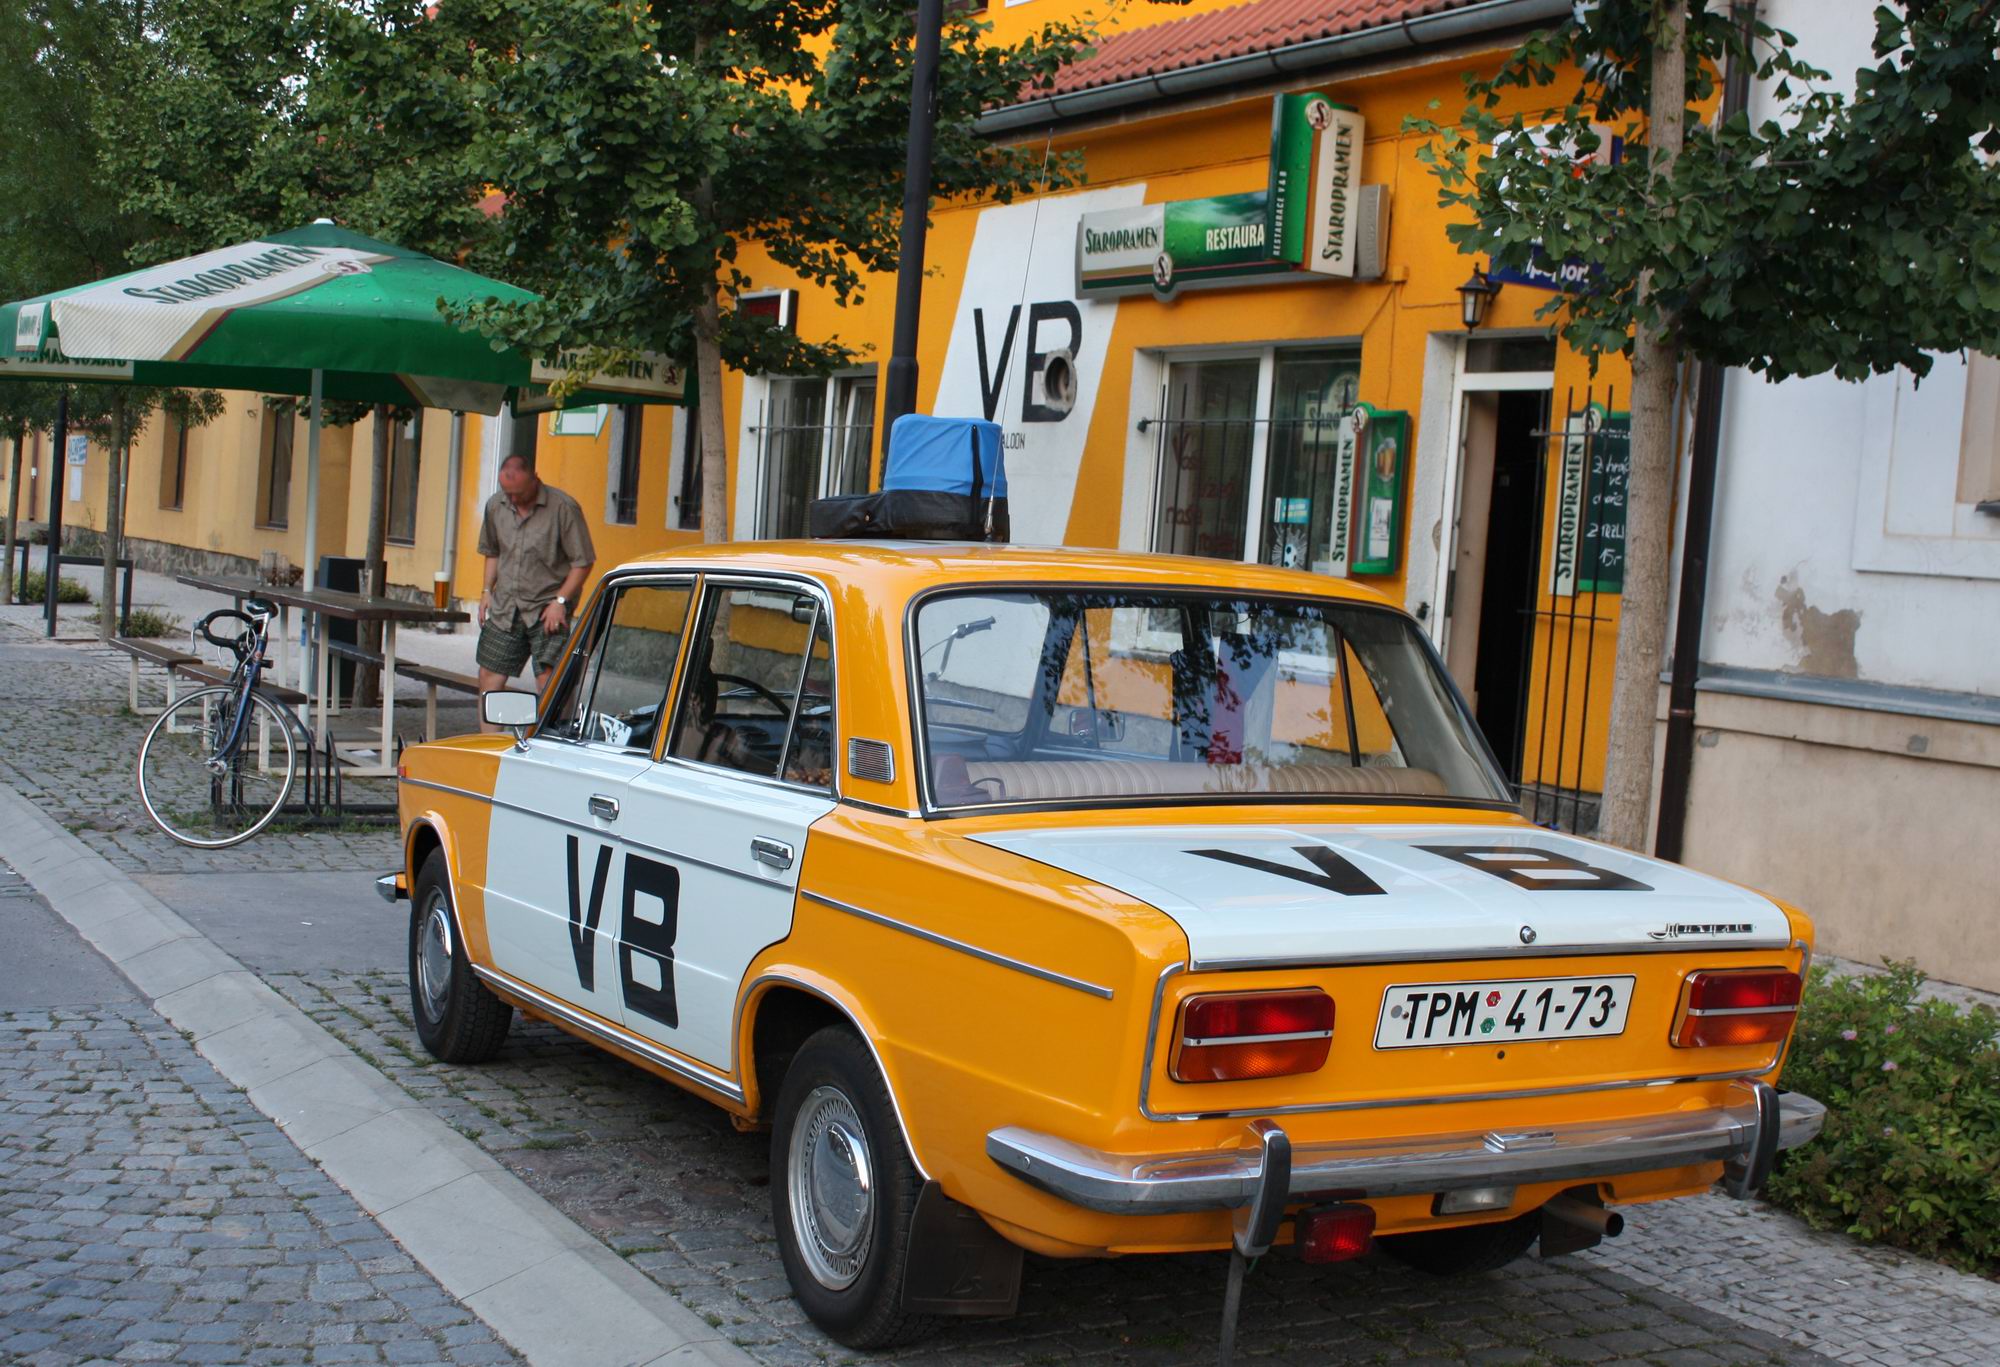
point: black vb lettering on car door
(648, 924)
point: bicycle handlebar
(234, 643)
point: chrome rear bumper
(1744, 1134)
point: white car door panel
(686, 958)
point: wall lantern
(1475, 298)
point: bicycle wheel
(200, 790)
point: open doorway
(1491, 593)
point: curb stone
(542, 1282)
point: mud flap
(957, 1264)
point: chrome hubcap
(832, 1184)
(434, 957)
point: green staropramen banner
(1589, 552)
(1300, 227)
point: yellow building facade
(1205, 403)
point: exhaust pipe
(1583, 1215)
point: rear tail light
(1234, 1036)
(1336, 1233)
(1736, 1006)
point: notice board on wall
(1591, 490)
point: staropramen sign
(1300, 227)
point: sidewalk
(149, 1213)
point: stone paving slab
(149, 1213)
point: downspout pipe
(1690, 615)
(1467, 21)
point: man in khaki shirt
(538, 554)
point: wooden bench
(361, 655)
(433, 678)
(151, 652)
(214, 675)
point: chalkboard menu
(1590, 503)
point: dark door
(1507, 605)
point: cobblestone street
(149, 1213)
(663, 1180)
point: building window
(1979, 438)
(173, 463)
(816, 439)
(1246, 455)
(621, 488)
(274, 465)
(1206, 434)
(406, 440)
(687, 504)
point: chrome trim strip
(597, 831)
(736, 1034)
(646, 1049)
(1032, 970)
(1151, 1184)
(1745, 1011)
(1213, 1041)
(1384, 1103)
(1498, 952)
(883, 808)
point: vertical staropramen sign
(1300, 227)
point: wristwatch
(562, 602)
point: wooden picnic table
(315, 672)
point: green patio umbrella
(319, 312)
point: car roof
(902, 568)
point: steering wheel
(784, 708)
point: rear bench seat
(1055, 780)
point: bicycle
(201, 778)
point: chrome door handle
(604, 807)
(776, 853)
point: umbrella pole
(311, 566)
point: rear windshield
(1081, 695)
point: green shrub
(145, 623)
(1911, 1151)
(30, 587)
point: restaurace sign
(1300, 227)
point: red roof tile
(1240, 30)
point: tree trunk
(374, 568)
(13, 501)
(708, 379)
(114, 519)
(1642, 623)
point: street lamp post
(900, 392)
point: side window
(809, 759)
(616, 694)
(744, 679)
(562, 709)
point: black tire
(833, 1082)
(458, 1020)
(1467, 1250)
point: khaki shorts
(506, 645)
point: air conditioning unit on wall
(1371, 233)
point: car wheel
(458, 1020)
(1468, 1249)
(843, 1191)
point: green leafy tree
(250, 116)
(1848, 234)
(641, 145)
(66, 225)
(24, 408)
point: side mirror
(511, 709)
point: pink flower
(1850, 1034)
(1890, 1029)
(1889, 1066)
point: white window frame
(751, 501)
